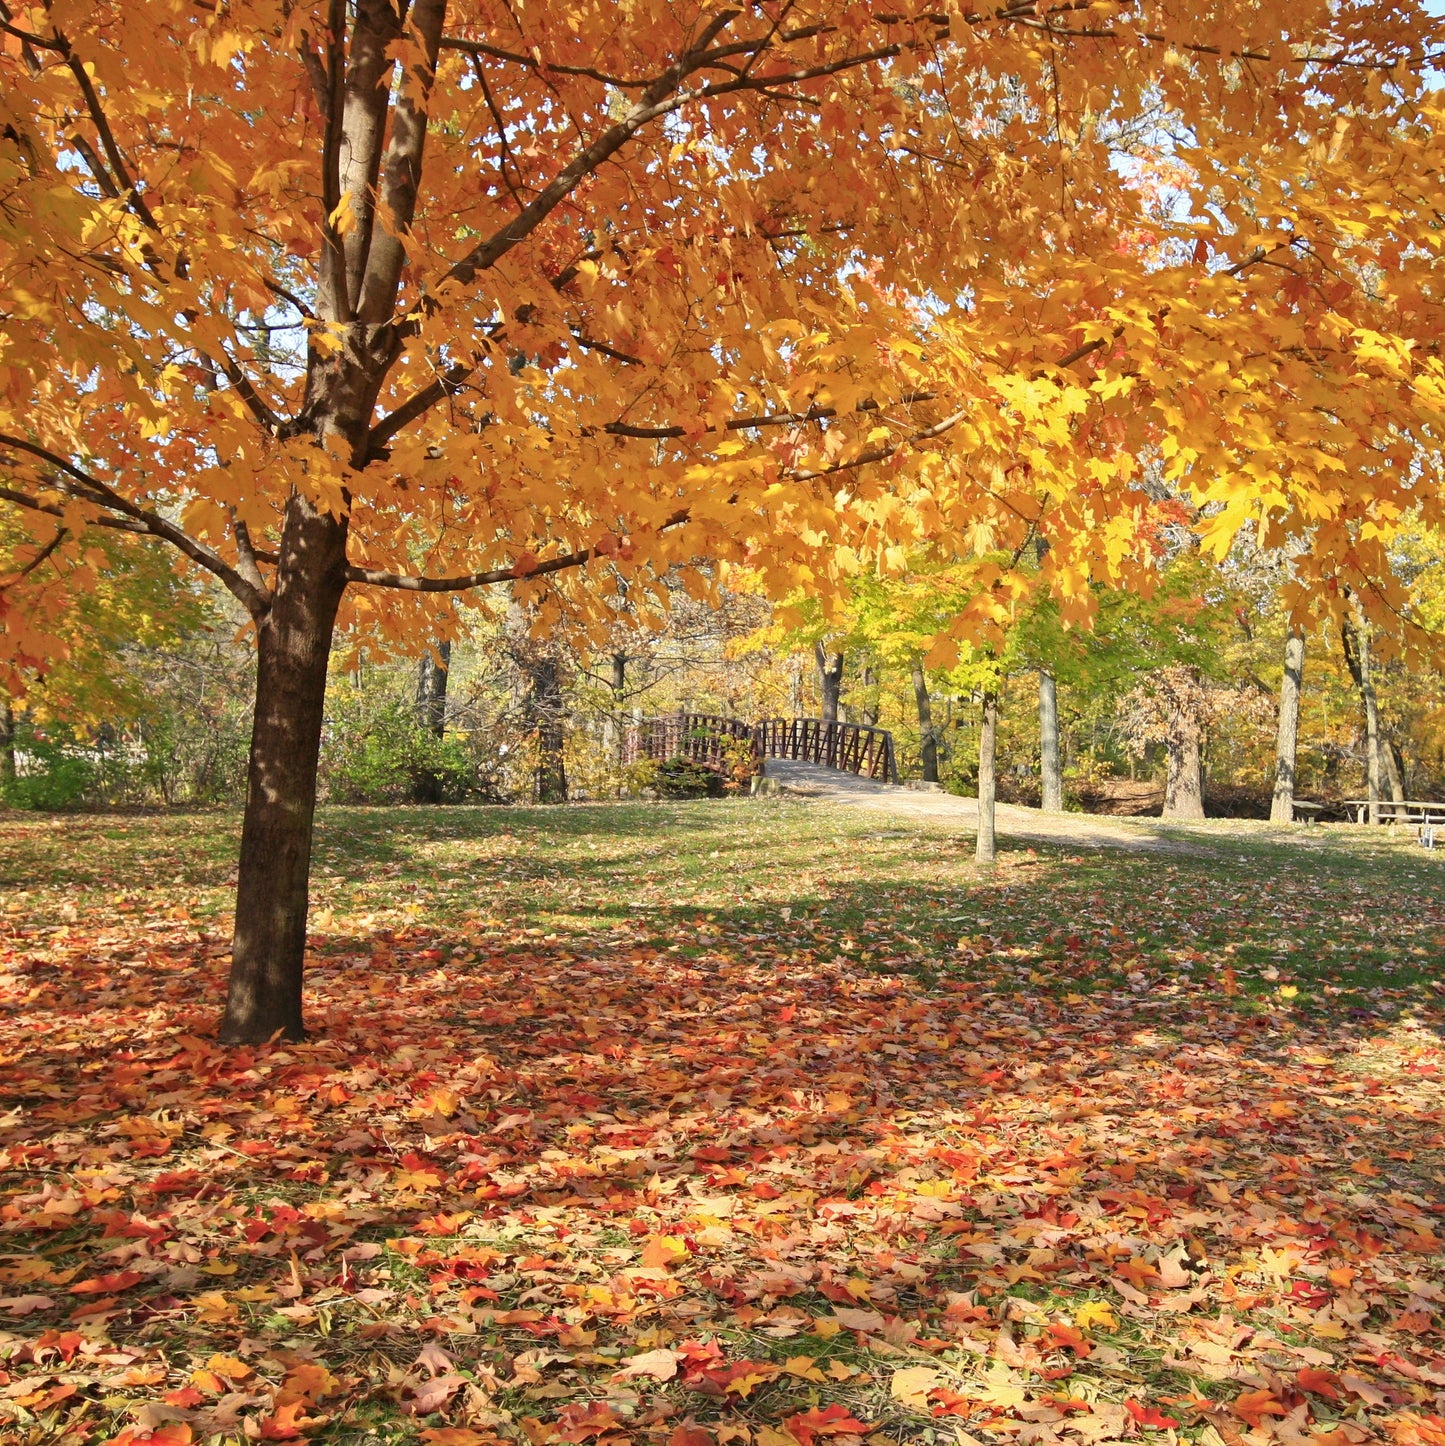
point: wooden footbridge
(728, 745)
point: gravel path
(1079, 830)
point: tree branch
(9, 582)
(73, 482)
(488, 579)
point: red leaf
(832, 1420)
(1149, 1415)
(108, 1284)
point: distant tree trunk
(431, 715)
(868, 713)
(928, 739)
(615, 728)
(293, 648)
(1050, 773)
(431, 689)
(1281, 810)
(1184, 779)
(1395, 766)
(797, 690)
(986, 850)
(7, 743)
(1356, 641)
(830, 680)
(545, 711)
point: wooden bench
(1310, 812)
(1428, 816)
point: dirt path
(1076, 830)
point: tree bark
(545, 712)
(1050, 774)
(927, 738)
(7, 743)
(1356, 641)
(615, 725)
(431, 715)
(868, 713)
(986, 849)
(431, 689)
(293, 651)
(1184, 780)
(1391, 773)
(830, 681)
(1281, 810)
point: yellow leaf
(1096, 1313)
(912, 1385)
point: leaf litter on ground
(829, 1140)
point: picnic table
(1427, 815)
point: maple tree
(361, 305)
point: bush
(51, 775)
(683, 778)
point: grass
(1346, 915)
(790, 1093)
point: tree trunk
(1356, 640)
(1391, 774)
(431, 714)
(927, 738)
(431, 689)
(830, 680)
(7, 743)
(293, 650)
(1281, 810)
(797, 685)
(1050, 774)
(615, 727)
(1184, 781)
(1396, 760)
(986, 849)
(868, 713)
(544, 705)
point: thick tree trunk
(1391, 773)
(1356, 640)
(293, 650)
(431, 714)
(927, 738)
(1184, 781)
(546, 709)
(1281, 809)
(615, 723)
(7, 743)
(431, 689)
(1050, 774)
(830, 681)
(986, 849)
(1393, 768)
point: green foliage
(375, 751)
(53, 775)
(685, 778)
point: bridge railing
(716, 742)
(851, 747)
(728, 744)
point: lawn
(750, 1122)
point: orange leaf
(832, 1420)
(1253, 1406)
